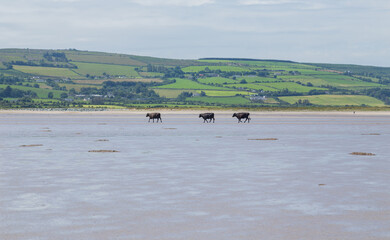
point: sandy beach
(112, 175)
(197, 111)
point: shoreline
(193, 111)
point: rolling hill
(83, 77)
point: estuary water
(282, 176)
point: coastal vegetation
(71, 78)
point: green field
(252, 86)
(345, 81)
(48, 71)
(212, 68)
(272, 65)
(220, 100)
(98, 57)
(188, 84)
(42, 93)
(305, 79)
(151, 74)
(77, 87)
(96, 69)
(171, 93)
(336, 100)
(211, 93)
(216, 80)
(249, 79)
(291, 86)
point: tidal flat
(113, 175)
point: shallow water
(183, 179)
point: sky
(321, 31)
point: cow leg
(245, 120)
(149, 120)
(160, 120)
(249, 119)
(213, 120)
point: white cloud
(186, 3)
(66, 1)
(301, 30)
(265, 2)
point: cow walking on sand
(242, 115)
(207, 116)
(154, 116)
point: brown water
(183, 179)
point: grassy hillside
(48, 71)
(188, 84)
(336, 100)
(98, 78)
(96, 69)
(41, 92)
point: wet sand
(183, 179)
(195, 111)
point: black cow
(154, 116)
(242, 115)
(207, 116)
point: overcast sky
(332, 31)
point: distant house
(109, 95)
(258, 98)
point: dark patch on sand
(263, 139)
(362, 154)
(372, 134)
(103, 151)
(102, 140)
(218, 136)
(170, 128)
(32, 145)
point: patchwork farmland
(79, 78)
